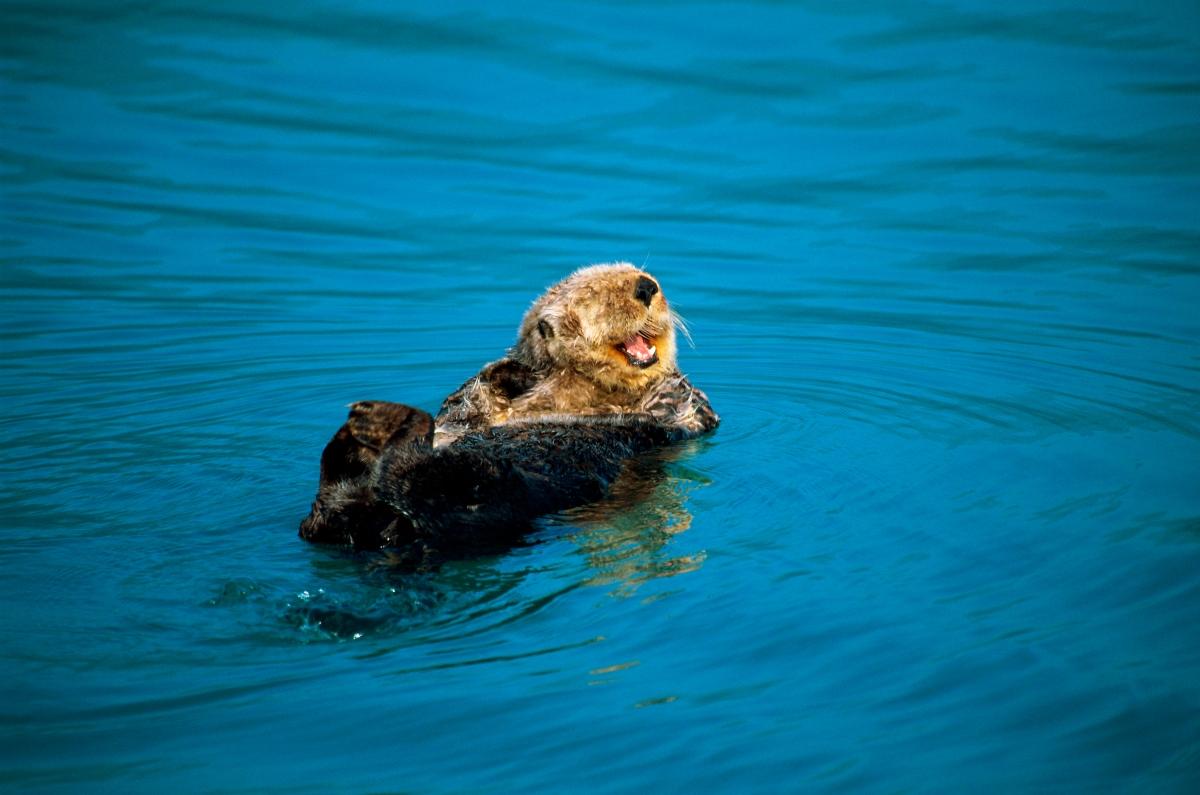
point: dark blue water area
(941, 267)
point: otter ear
(545, 329)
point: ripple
(939, 263)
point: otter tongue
(637, 347)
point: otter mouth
(639, 350)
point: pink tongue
(637, 348)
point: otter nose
(645, 290)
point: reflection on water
(939, 261)
(627, 538)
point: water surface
(940, 263)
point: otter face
(608, 323)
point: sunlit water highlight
(941, 267)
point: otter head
(607, 323)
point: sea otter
(591, 383)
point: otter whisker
(678, 322)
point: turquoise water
(940, 263)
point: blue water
(941, 264)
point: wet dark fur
(384, 485)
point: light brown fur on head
(600, 342)
(575, 330)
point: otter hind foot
(345, 510)
(372, 426)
